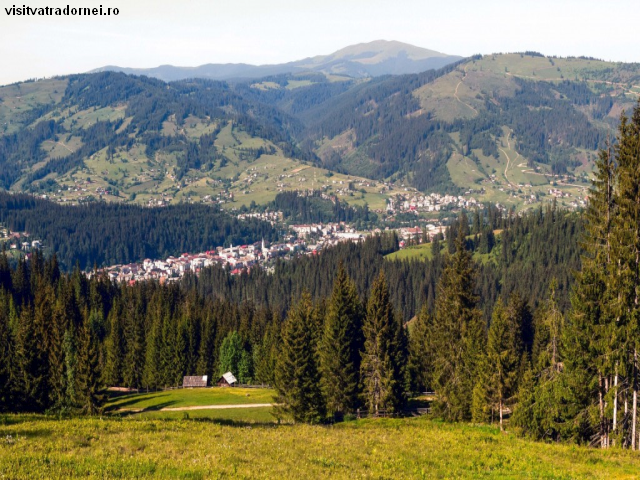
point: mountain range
(515, 129)
(371, 59)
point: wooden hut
(195, 382)
(227, 380)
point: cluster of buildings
(271, 217)
(309, 240)
(433, 202)
(19, 240)
(237, 259)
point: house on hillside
(227, 380)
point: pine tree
(33, 362)
(549, 411)
(340, 346)
(458, 336)
(381, 371)
(8, 393)
(626, 256)
(114, 351)
(420, 351)
(151, 378)
(499, 366)
(205, 354)
(57, 362)
(89, 389)
(297, 376)
(592, 355)
(133, 358)
(266, 354)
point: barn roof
(230, 378)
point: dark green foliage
(305, 207)
(458, 336)
(497, 372)
(107, 234)
(384, 357)
(235, 358)
(89, 389)
(297, 375)
(340, 346)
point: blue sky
(192, 32)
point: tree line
(110, 233)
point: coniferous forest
(537, 326)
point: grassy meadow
(44, 447)
(190, 397)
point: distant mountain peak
(379, 57)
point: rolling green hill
(507, 128)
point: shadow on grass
(130, 399)
(237, 423)
(153, 408)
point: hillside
(501, 125)
(371, 59)
(122, 138)
(510, 128)
(384, 448)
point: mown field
(43, 447)
(246, 405)
(191, 397)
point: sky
(148, 33)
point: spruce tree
(340, 346)
(114, 351)
(89, 390)
(499, 366)
(8, 400)
(33, 362)
(266, 354)
(626, 257)
(593, 352)
(382, 373)
(297, 375)
(134, 353)
(56, 354)
(420, 351)
(458, 336)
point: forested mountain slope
(507, 128)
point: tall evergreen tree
(33, 361)
(297, 375)
(114, 351)
(458, 336)
(592, 325)
(8, 400)
(499, 366)
(89, 390)
(626, 256)
(420, 352)
(340, 347)
(381, 371)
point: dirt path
(455, 94)
(201, 407)
(59, 143)
(508, 160)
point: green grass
(262, 415)
(415, 252)
(41, 447)
(190, 397)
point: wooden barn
(195, 382)
(227, 380)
